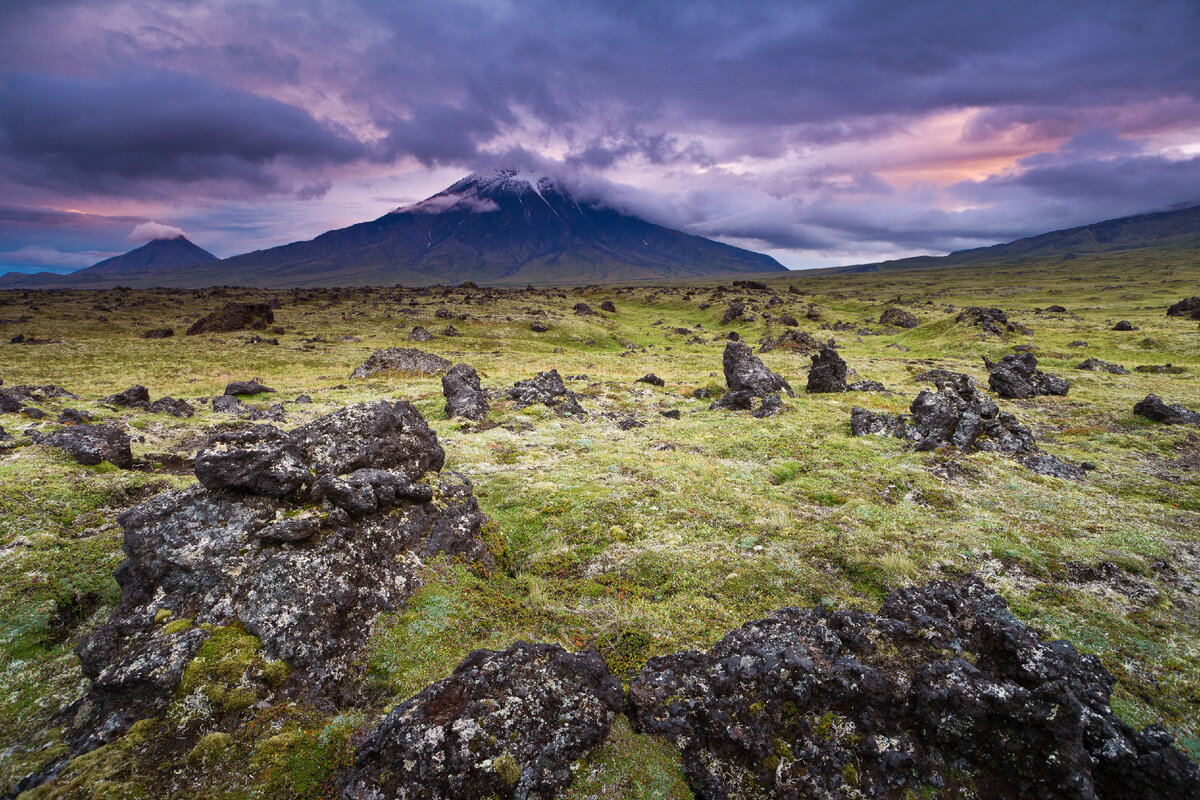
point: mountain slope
(156, 257)
(1163, 229)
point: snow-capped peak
(480, 192)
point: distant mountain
(156, 257)
(1163, 229)
(493, 228)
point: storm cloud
(817, 131)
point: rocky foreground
(302, 538)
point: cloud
(146, 231)
(159, 132)
(49, 258)
(441, 203)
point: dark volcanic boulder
(301, 574)
(133, 397)
(548, 389)
(246, 388)
(734, 312)
(941, 688)
(172, 406)
(749, 381)
(234, 317)
(406, 360)
(504, 725)
(419, 334)
(827, 373)
(745, 371)
(651, 379)
(259, 459)
(584, 310)
(1017, 376)
(608, 307)
(992, 320)
(1188, 307)
(91, 444)
(898, 317)
(464, 395)
(1096, 365)
(1152, 407)
(1124, 325)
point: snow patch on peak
(150, 231)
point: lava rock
(377, 435)
(74, 416)
(1096, 365)
(504, 725)
(91, 444)
(992, 320)
(548, 389)
(311, 604)
(419, 334)
(651, 379)
(538, 327)
(1046, 464)
(608, 306)
(745, 371)
(943, 687)
(405, 360)
(827, 373)
(898, 317)
(173, 406)
(670, 413)
(1124, 325)
(228, 404)
(234, 317)
(866, 423)
(1152, 407)
(1188, 307)
(158, 333)
(260, 460)
(246, 388)
(133, 397)
(451, 331)
(584, 310)
(1017, 376)
(734, 311)
(464, 395)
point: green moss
(210, 749)
(629, 766)
(176, 626)
(507, 768)
(226, 670)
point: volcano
(501, 227)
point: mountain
(1178, 229)
(493, 228)
(156, 257)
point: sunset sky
(820, 132)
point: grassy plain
(636, 542)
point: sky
(823, 133)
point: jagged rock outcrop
(235, 317)
(305, 572)
(419, 334)
(749, 381)
(1096, 365)
(651, 379)
(464, 395)
(991, 320)
(828, 374)
(1154, 408)
(899, 317)
(1188, 307)
(942, 688)
(1017, 376)
(503, 725)
(407, 360)
(959, 415)
(548, 389)
(91, 444)
(173, 406)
